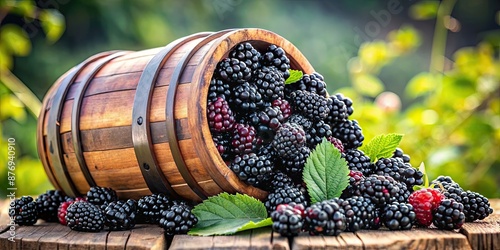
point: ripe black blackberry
(252, 169)
(325, 218)
(101, 195)
(120, 215)
(178, 219)
(48, 203)
(443, 180)
(289, 138)
(85, 216)
(310, 105)
(476, 206)
(358, 161)
(266, 122)
(284, 106)
(350, 133)
(288, 219)
(294, 162)
(281, 180)
(360, 213)
(398, 216)
(314, 83)
(316, 133)
(381, 190)
(149, 208)
(404, 192)
(338, 110)
(222, 142)
(398, 153)
(355, 178)
(246, 98)
(233, 70)
(220, 116)
(246, 53)
(337, 143)
(218, 88)
(270, 83)
(23, 211)
(284, 195)
(276, 56)
(449, 215)
(348, 103)
(243, 141)
(399, 171)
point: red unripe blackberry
(270, 83)
(220, 116)
(337, 143)
(284, 106)
(276, 56)
(288, 219)
(449, 215)
(425, 201)
(233, 70)
(243, 139)
(246, 53)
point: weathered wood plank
(49, 240)
(117, 240)
(279, 242)
(83, 241)
(239, 241)
(483, 234)
(19, 233)
(4, 215)
(261, 238)
(146, 237)
(191, 242)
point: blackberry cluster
(358, 161)
(270, 83)
(310, 105)
(398, 216)
(276, 56)
(316, 133)
(314, 83)
(246, 98)
(222, 142)
(48, 203)
(234, 70)
(360, 213)
(220, 116)
(284, 195)
(338, 110)
(218, 88)
(266, 122)
(63, 209)
(178, 219)
(284, 106)
(281, 180)
(348, 103)
(252, 168)
(24, 211)
(85, 216)
(294, 163)
(449, 215)
(337, 143)
(380, 189)
(288, 219)
(350, 133)
(246, 53)
(290, 137)
(355, 178)
(120, 215)
(399, 171)
(244, 139)
(150, 208)
(325, 218)
(101, 195)
(399, 154)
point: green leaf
(382, 146)
(368, 84)
(422, 84)
(325, 173)
(227, 214)
(424, 10)
(295, 75)
(16, 40)
(53, 24)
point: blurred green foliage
(403, 78)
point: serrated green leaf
(382, 146)
(227, 214)
(325, 172)
(295, 75)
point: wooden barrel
(136, 121)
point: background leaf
(382, 146)
(424, 10)
(53, 24)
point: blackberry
(399, 171)
(360, 214)
(294, 162)
(310, 105)
(48, 203)
(276, 56)
(281, 180)
(449, 215)
(246, 53)
(252, 169)
(246, 98)
(101, 195)
(300, 120)
(350, 133)
(284, 106)
(316, 133)
(120, 215)
(220, 116)
(355, 178)
(443, 180)
(270, 83)
(358, 161)
(222, 142)
(63, 209)
(476, 206)
(289, 138)
(404, 192)
(284, 195)
(85, 216)
(23, 211)
(398, 216)
(338, 110)
(398, 153)
(348, 103)
(149, 208)
(266, 122)
(243, 139)
(424, 201)
(337, 143)
(233, 70)
(288, 219)
(325, 218)
(314, 83)
(380, 189)
(218, 88)
(178, 219)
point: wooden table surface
(477, 235)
